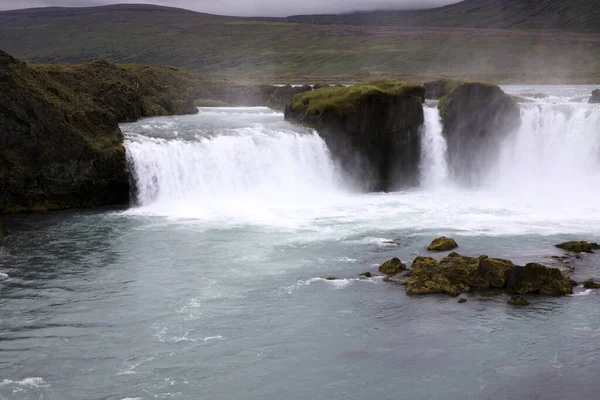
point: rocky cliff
(475, 118)
(60, 142)
(372, 130)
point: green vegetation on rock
(392, 267)
(461, 301)
(345, 100)
(442, 244)
(591, 285)
(578, 247)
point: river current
(211, 286)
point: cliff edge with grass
(372, 130)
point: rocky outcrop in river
(372, 130)
(456, 274)
(476, 117)
(595, 99)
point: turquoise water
(211, 286)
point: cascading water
(434, 165)
(240, 168)
(556, 150)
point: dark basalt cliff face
(373, 130)
(476, 117)
(60, 142)
(595, 99)
(57, 148)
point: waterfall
(434, 165)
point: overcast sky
(247, 7)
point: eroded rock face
(595, 99)
(281, 96)
(476, 117)
(374, 134)
(435, 90)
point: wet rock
(578, 247)
(518, 301)
(366, 274)
(401, 278)
(392, 267)
(537, 278)
(281, 96)
(330, 278)
(595, 99)
(435, 90)
(463, 300)
(476, 118)
(442, 244)
(457, 274)
(372, 130)
(591, 285)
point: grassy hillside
(571, 16)
(277, 49)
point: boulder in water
(457, 274)
(366, 275)
(518, 301)
(476, 117)
(595, 99)
(578, 247)
(392, 267)
(442, 244)
(372, 130)
(591, 285)
(462, 300)
(537, 278)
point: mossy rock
(518, 301)
(345, 100)
(591, 285)
(578, 247)
(457, 274)
(539, 279)
(461, 301)
(392, 267)
(366, 275)
(442, 244)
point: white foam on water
(547, 180)
(34, 382)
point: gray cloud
(247, 7)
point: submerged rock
(401, 278)
(595, 99)
(591, 285)
(392, 267)
(579, 247)
(518, 301)
(442, 244)
(373, 130)
(537, 278)
(476, 117)
(330, 278)
(366, 274)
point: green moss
(463, 300)
(443, 244)
(591, 285)
(577, 247)
(343, 100)
(392, 267)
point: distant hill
(461, 40)
(559, 15)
